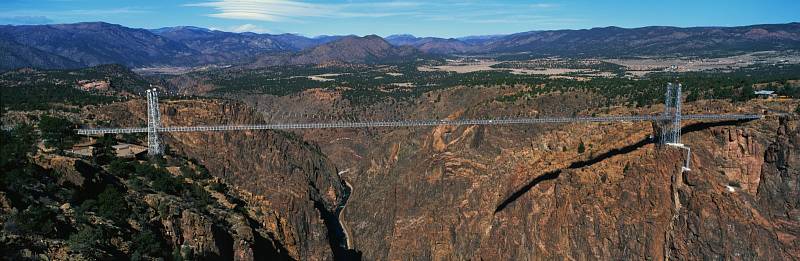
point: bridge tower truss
(676, 120)
(665, 124)
(153, 123)
(671, 122)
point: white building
(765, 94)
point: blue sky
(443, 18)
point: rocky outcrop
(742, 156)
(292, 179)
(205, 220)
(721, 218)
(778, 192)
(198, 234)
(221, 235)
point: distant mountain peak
(401, 36)
(88, 25)
(366, 42)
(429, 44)
(370, 37)
(480, 37)
(351, 49)
(179, 28)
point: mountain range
(94, 43)
(432, 44)
(653, 40)
(236, 46)
(370, 49)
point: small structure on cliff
(124, 150)
(765, 94)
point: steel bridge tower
(676, 120)
(671, 123)
(153, 123)
(666, 134)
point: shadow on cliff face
(574, 165)
(526, 188)
(267, 248)
(705, 125)
(611, 153)
(224, 242)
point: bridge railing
(416, 123)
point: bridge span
(419, 123)
(669, 121)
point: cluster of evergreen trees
(39, 90)
(369, 85)
(735, 86)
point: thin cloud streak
(245, 28)
(295, 11)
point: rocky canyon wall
(292, 182)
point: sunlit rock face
(475, 198)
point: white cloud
(250, 28)
(265, 10)
(243, 28)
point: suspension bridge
(669, 121)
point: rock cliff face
(509, 192)
(218, 234)
(472, 198)
(525, 192)
(743, 157)
(778, 192)
(724, 215)
(294, 184)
